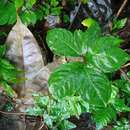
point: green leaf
(67, 125)
(103, 116)
(118, 24)
(123, 124)
(39, 13)
(104, 43)
(61, 110)
(108, 60)
(6, 64)
(123, 85)
(28, 17)
(10, 92)
(19, 3)
(41, 101)
(30, 3)
(64, 42)
(120, 106)
(36, 111)
(7, 13)
(75, 78)
(54, 3)
(2, 50)
(60, 41)
(74, 105)
(7, 71)
(89, 22)
(114, 94)
(48, 120)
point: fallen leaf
(23, 50)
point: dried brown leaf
(24, 51)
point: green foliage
(19, 3)
(118, 24)
(27, 11)
(78, 79)
(51, 7)
(73, 44)
(123, 124)
(7, 12)
(103, 116)
(8, 73)
(100, 49)
(56, 112)
(2, 50)
(88, 22)
(89, 79)
(28, 17)
(78, 87)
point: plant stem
(121, 8)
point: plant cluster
(84, 86)
(8, 73)
(75, 87)
(30, 11)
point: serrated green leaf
(61, 41)
(109, 60)
(103, 116)
(5, 10)
(75, 78)
(118, 24)
(64, 42)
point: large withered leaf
(23, 50)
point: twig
(126, 65)
(126, 76)
(12, 113)
(41, 126)
(121, 8)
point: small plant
(123, 124)
(86, 86)
(8, 73)
(119, 24)
(56, 112)
(30, 11)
